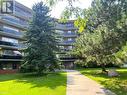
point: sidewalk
(78, 84)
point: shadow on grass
(94, 73)
(51, 80)
(115, 84)
(97, 73)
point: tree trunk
(104, 69)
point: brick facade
(8, 71)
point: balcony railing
(15, 21)
(60, 27)
(65, 26)
(22, 13)
(65, 50)
(73, 34)
(20, 34)
(10, 57)
(70, 27)
(67, 42)
(6, 43)
(14, 45)
(20, 45)
(66, 58)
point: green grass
(19, 84)
(116, 84)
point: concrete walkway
(78, 84)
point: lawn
(116, 84)
(20, 84)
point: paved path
(78, 84)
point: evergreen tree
(41, 42)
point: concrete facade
(12, 28)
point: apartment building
(67, 36)
(12, 28)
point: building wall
(8, 71)
(68, 34)
(12, 28)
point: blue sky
(57, 10)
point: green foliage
(103, 31)
(53, 2)
(80, 24)
(99, 46)
(42, 45)
(122, 55)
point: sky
(57, 9)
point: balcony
(64, 27)
(13, 22)
(65, 50)
(8, 58)
(22, 15)
(22, 12)
(60, 27)
(13, 46)
(20, 46)
(70, 27)
(73, 34)
(68, 43)
(12, 32)
(6, 43)
(66, 58)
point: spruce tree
(41, 42)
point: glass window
(69, 39)
(69, 25)
(14, 66)
(7, 66)
(69, 31)
(70, 47)
(59, 31)
(8, 52)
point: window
(61, 47)
(69, 39)
(8, 52)
(11, 52)
(7, 66)
(59, 31)
(69, 25)
(70, 47)
(1, 67)
(14, 66)
(69, 31)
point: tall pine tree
(41, 42)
